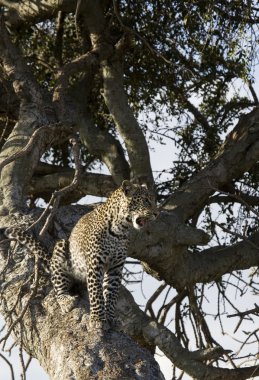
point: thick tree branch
(164, 247)
(135, 322)
(35, 111)
(14, 180)
(103, 145)
(46, 135)
(59, 38)
(99, 185)
(239, 153)
(249, 199)
(25, 85)
(99, 142)
(127, 125)
(114, 93)
(86, 62)
(220, 260)
(84, 354)
(25, 11)
(138, 324)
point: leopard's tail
(25, 238)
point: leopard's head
(141, 206)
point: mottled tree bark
(63, 344)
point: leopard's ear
(127, 188)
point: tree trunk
(63, 344)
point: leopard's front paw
(66, 303)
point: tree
(118, 76)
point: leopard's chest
(100, 243)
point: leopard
(96, 250)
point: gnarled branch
(242, 146)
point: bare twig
(56, 196)
(60, 193)
(236, 234)
(242, 314)
(153, 298)
(19, 294)
(28, 363)
(34, 288)
(239, 198)
(199, 318)
(9, 364)
(23, 374)
(162, 314)
(4, 131)
(251, 88)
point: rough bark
(56, 339)
(20, 12)
(101, 144)
(241, 146)
(114, 93)
(126, 123)
(75, 352)
(45, 182)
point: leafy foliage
(187, 73)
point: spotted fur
(97, 249)
(31, 243)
